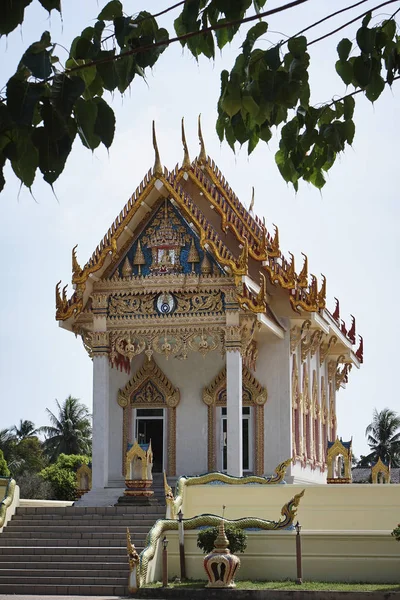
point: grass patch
(316, 586)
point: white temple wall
(274, 372)
(191, 376)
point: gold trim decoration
(324, 349)
(167, 396)
(253, 394)
(380, 468)
(297, 445)
(202, 159)
(186, 158)
(157, 168)
(297, 333)
(338, 449)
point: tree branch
(350, 22)
(354, 93)
(187, 36)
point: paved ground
(18, 597)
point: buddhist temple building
(205, 339)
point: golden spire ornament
(252, 200)
(157, 169)
(186, 158)
(202, 159)
(139, 259)
(127, 268)
(193, 256)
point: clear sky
(349, 232)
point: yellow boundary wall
(345, 532)
(9, 500)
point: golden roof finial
(186, 159)
(275, 241)
(302, 279)
(157, 169)
(76, 269)
(252, 200)
(322, 294)
(202, 159)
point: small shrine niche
(339, 457)
(83, 480)
(139, 471)
(380, 472)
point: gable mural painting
(190, 283)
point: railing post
(165, 563)
(181, 545)
(299, 579)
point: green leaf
(253, 141)
(367, 19)
(366, 39)
(107, 70)
(220, 128)
(389, 28)
(125, 72)
(265, 133)
(22, 98)
(224, 35)
(349, 131)
(87, 74)
(317, 179)
(298, 46)
(26, 160)
(53, 153)
(239, 128)
(37, 58)
(12, 14)
(345, 71)
(105, 122)
(50, 5)
(250, 105)
(111, 11)
(86, 114)
(232, 99)
(344, 49)
(252, 35)
(286, 167)
(272, 58)
(349, 105)
(375, 88)
(362, 71)
(65, 91)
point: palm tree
(24, 430)
(383, 436)
(70, 431)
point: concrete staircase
(72, 550)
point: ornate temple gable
(166, 246)
(224, 237)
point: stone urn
(220, 565)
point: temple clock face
(165, 303)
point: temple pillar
(101, 392)
(234, 409)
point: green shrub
(34, 487)
(237, 539)
(62, 475)
(396, 532)
(4, 470)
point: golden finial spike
(303, 275)
(275, 241)
(76, 269)
(157, 169)
(186, 159)
(202, 159)
(252, 200)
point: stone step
(64, 590)
(59, 552)
(101, 572)
(121, 581)
(65, 542)
(125, 509)
(83, 528)
(76, 531)
(42, 519)
(67, 564)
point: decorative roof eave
(208, 237)
(65, 308)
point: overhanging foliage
(47, 104)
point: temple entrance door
(247, 439)
(149, 425)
